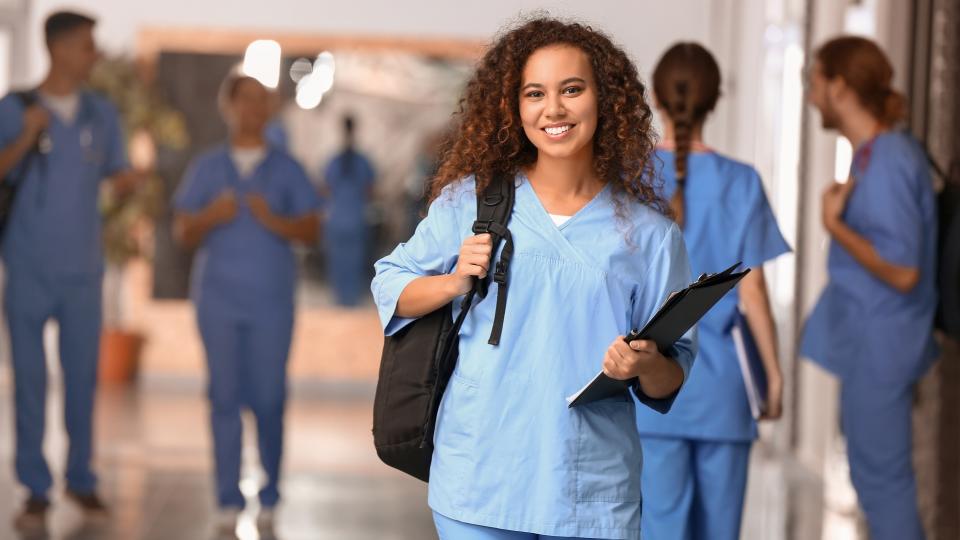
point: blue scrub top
(727, 219)
(509, 452)
(241, 264)
(349, 176)
(861, 326)
(54, 227)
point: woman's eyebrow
(568, 80)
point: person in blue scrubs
(561, 111)
(243, 204)
(349, 180)
(873, 324)
(696, 457)
(57, 151)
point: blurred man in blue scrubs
(872, 326)
(56, 151)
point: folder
(751, 365)
(679, 313)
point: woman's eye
(572, 90)
(534, 94)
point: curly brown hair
(489, 140)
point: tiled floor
(154, 458)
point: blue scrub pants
(693, 489)
(247, 367)
(347, 264)
(30, 299)
(450, 529)
(876, 420)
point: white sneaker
(265, 518)
(227, 519)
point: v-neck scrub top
(509, 453)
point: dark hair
(867, 71)
(489, 139)
(348, 124)
(62, 23)
(686, 82)
(229, 87)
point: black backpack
(948, 250)
(418, 360)
(9, 185)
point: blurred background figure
(873, 324)
(57, 143)
(425, 167)
(696, 457)
(349, 183)
(242, 205)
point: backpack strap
(494, 207)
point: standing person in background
(559, 110)
(696, 458)
(873, 324)
(57, 151)
(349, 180)
(243, 204)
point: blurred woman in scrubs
(696, 457)
(872, 326)
(560, 111)
(243, 204)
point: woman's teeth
(560, 130)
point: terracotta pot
(119, 355)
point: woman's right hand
(474, 261)
(35, 121)
(774, 398)
(223, 209)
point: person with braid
(873, 324)
(695, 458)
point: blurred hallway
(154, 461)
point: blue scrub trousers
(876, 420)
(247, 367)
(347, 264)
(30, 299)
(450, 529)
(693, 489)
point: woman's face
(558, 102)
(822, 94)
(250, 106)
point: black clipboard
(677, 316)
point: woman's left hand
(260, 209)
(834, 201)
(626, 361)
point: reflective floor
(154, 457)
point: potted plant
(127, 218)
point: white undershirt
(559, 220)
(247, 159)
(65, 107)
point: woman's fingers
(479, 239)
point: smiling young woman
(560, 110)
